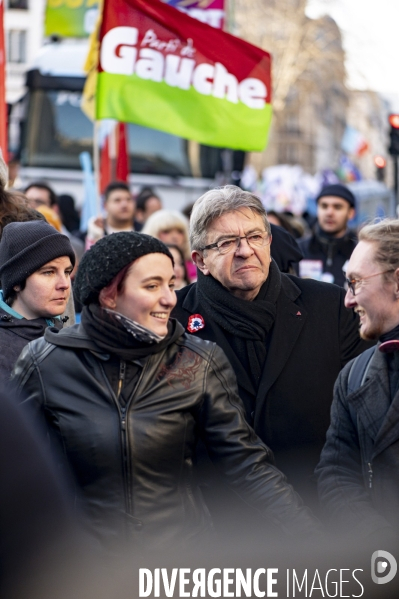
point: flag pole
(96, 162)
(3, 105)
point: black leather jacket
(133, 465)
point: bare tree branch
(297, 44)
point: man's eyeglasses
(354, 283)
(229, 244)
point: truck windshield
(56, 131)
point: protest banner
(162, 69)
(77, 18)
(70, 18)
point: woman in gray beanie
(35, 266)
(127, 393)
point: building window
(292, 154)
(16, 46)
(21, 4)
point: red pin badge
(195, 323)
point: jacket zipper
(370, 475)
(122, 423)
(122, 372)
(125, 453)
(329, 261)
(124, 436)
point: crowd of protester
(178, 416)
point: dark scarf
(110, 335)
(246, 323)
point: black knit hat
(107, 257)
(340, 191)
(25, 247)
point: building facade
(23, 23)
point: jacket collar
(321, 242)
(73, 337)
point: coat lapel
(290, 319)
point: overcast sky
(370, 31)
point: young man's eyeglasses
(354, 283)
(225, 245)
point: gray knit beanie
(25, 247)
(102, 262)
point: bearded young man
(327, 250)
(358, 473)
(286, 338)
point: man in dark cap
(331, 244)
(35, 266)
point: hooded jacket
(15, 333)
(133, 462)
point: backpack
(359, 369)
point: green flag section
(183, 112)
(70, 18)
(162, 69)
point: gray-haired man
(286, 338)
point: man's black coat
(312, 338)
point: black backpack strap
(359, 369)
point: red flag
(162, 69)
(3, 105)
(122, 164)
(114, 161)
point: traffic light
(380, 164)
(394, 135)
